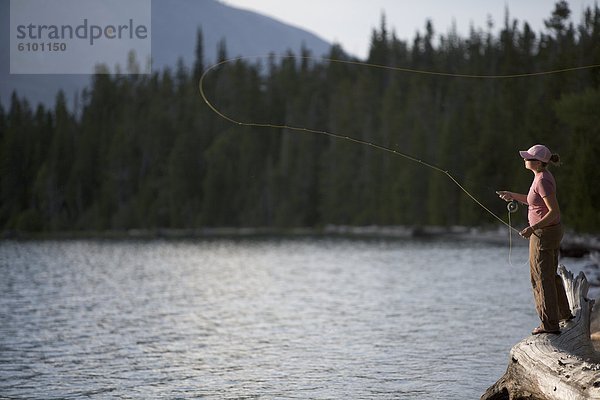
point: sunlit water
(226, 319)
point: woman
(545, 233)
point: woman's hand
(504, 195)
(527, 232)
(510, 196)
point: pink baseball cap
(538, 152)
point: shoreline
(372, 231)
(574, 244)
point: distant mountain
(246, 32)
(174, 29)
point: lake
(292, 318)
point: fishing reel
(512, 206)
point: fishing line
(511, 207)
(371, 144)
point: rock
(548, 366)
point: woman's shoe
(539, 330)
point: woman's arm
(509, 196)
(553, 213)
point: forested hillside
(146, 152)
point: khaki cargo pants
(551, 300)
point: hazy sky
(351, 22)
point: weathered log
(550, 366)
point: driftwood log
(548, 366)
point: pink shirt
(543, 185)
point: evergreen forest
(146, 152)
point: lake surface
(302, 318)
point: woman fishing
(544, 233)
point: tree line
(145, 152)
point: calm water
(225, 319)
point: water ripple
(224, 319)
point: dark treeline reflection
(144, 151)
